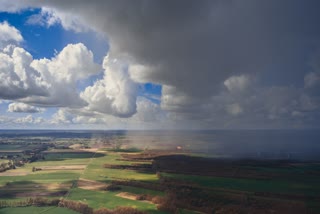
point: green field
(94, 170)
(60, 156)
(136, 190)
(34, 210)
(68, 171)
(98, 199)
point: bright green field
(96, 171)
(65, 156)
(40, 178)
(98, 199)
(44, 176)
(34, 210)
(136, 190)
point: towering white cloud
(115, 94)
(73, 63)
(45, 82)
(62, 72)
(149, 112)
(17, 78)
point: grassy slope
(40, 178)
(96, 171)
(52, 175)
(97, 199)
(34, 210)
(136, 190)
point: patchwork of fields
(62, 173)
(47, 210)
(154, 181)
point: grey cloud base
(221, 63)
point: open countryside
(113, 173)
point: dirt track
(12, 173)
(67, 167)
(91, 185)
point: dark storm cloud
(187, 43)
(193, 47)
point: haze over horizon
(121, 64)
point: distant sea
(260, 144)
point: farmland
(82, 175)
(27, 210)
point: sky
(180, 64)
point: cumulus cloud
(115, 94)
(237, 83)
(17, 78)
(61, 117)
(9, 34)
(62, 72)
(177, 37)
(234, 109)
(25, 108)
(48, 17)
(42, 82)
(87, 120)
(24, 120)
(195, 49)
(149, 112)
(73, 63)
